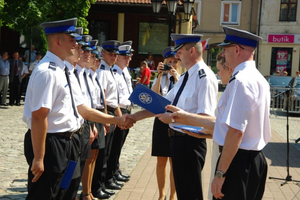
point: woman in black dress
(164, 82)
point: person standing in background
(4, 77)
(146, 74)
(36, 62)
(33, 55)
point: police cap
(237, 36)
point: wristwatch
(220, 174)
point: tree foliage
(22, 15)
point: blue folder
(148, 99)
(193, 129)
(65, 183)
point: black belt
(111, 109)
(67, 134)
(172, 133)
(239, 150)
(4, 75)
(128, 108)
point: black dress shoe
(102, 195)
(119, 183)
(108, 192)
(121, 178)
(125, 175)
(113, 186)
(4, 104)
(18, 104)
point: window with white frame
(230, 12)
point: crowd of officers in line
(78, 116)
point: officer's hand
(216, 187)
(160, 67)
(95, 132)
(164, 117)
(173, 73)
(127, 121)
(106, 129)
(37, 169)
(91, 137)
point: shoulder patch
(52, 66)
(102, 67)
(233, 77)
(201, 73)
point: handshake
(126, 121)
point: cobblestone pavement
(13, 166)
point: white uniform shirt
(245, 106)
(80, 71)
(97, 102)
(128, 78)
(109, 84)
(24, 70)
(164, 84)
(92, 89)
(122, 86)
(77, 95)
(33, 65)
(199, 94)
(48, 88)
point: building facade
(280, 29)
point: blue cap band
(60, 29)
(78, 38)
(93, 47)
(240, 40)
(170, 53)
(109, 46)
(187, 40)
(123, 52)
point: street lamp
(172, 7)
(156, 5)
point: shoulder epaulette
(52, 66)
(102, 67)
(115, 70)
(201, 73)
(233, 77)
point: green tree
(22, 15)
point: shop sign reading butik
(284, 38)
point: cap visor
(176, 48)
(86, 48)
(73, 34)
(224, 44)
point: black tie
(172, 80)
(88, 89)
(72, 99)
(186, 76)
(101, 93)
(126, 82)
(76, 75)
(116, 84)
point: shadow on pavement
(277, 153)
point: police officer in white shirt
(196, 92)
(51, 116)
(109, 84)
(125, 106)
(242, 126)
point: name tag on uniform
(193, 129)
(148, 99)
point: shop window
(99, 30)
(153, 37)
(288, 10)
(230, 13)
(281, 60)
